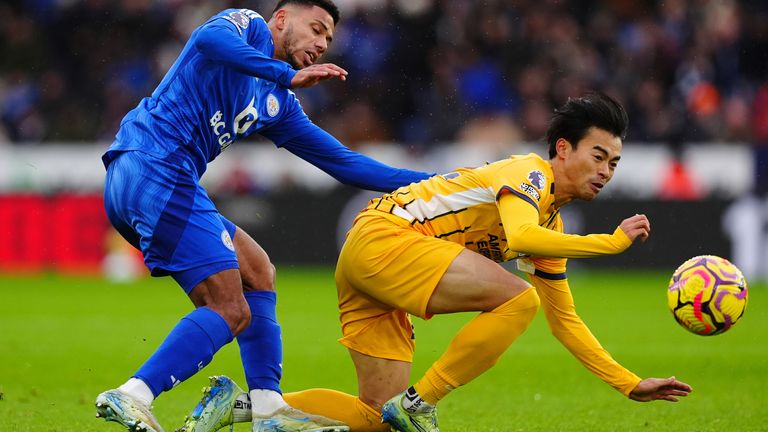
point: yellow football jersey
(506, 210)
(461, 206)
(501, 210)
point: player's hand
(311, 75)
(638, 226)
(668, 389)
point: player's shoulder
(241, 18)
(532, 160)
(533, 166)
(523, 175)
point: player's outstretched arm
(322, 150)
(525, 235)
(311, 75)
(668, 389)
(566, 325)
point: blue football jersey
(203, 106)
(226, 85)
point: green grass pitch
(64, 339)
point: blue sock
(189, 347)
(261, 347)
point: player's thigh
(387, 271)
(125, 176)
(474, 283)
(387, 261)
(161, 202)
(380, 379)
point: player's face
(308, 33)
(590, 166)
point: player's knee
(242, 319)
(511, 288)
(529, 302)
(524, 305)
(236, 314)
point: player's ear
(562, 147)
(279, 18)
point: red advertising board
(64, 233)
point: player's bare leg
(471, 283)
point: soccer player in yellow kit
(433, 247)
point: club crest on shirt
(227, 240)
(273, 106)
(537, 179)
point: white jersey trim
(443, 204)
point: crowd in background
(421, 71)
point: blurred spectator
(679, 184)
(496, 131)
(419, 69)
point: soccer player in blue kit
(231, 79)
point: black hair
(575, 117)
(328, 5)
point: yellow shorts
(386, 271)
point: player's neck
(279, 53)
(563, 188)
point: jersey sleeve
(520, 217)
(570, 330)
(229, 39)
(297, 134)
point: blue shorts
(159, 206)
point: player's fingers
(318, 72)
(328, 68)
(642, 219)
(681, 387)
(646, 227)
(336, 68)
(308, 78)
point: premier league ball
(707, 295)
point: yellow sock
(478, 346)
(343, 407)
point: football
(707, 295)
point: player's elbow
(517, 239)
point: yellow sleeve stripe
(550, 276)
(524, 197)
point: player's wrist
(622, 239)
(287, 78)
